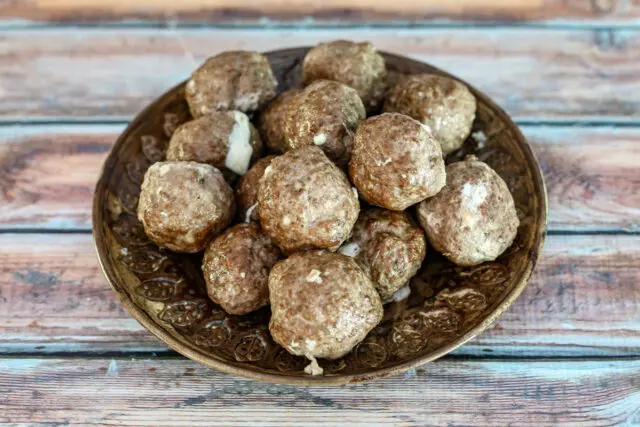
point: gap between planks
(326, 13)
(304, 24)
(576, 122)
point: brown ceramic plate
(447, 307)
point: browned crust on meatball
(236, 267)
(234, 80)
(444, 105)
(183, 204)
(325, 114)
(322, 304)
(396, 162)
(247, 190)
(305, 201)
(206, 140)
(473, 219)
(357, 65)
(389, 248)
(271, 122)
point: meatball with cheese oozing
(322, 305)
(224, 139)
(473, 219)
(388, 246)
(305, 201)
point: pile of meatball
(305, 201)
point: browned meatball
(396, 162)
(306, 201)
(183, 204)
(236, 268)
(234, 80)
(473, 219)
(322, 304)
(271, 122)
(444, 105)
(388, 246)
(357, 65)
(224, 139)
(247, 190)
(324, 114)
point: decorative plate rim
(254, 373)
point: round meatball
(324, 114)
(271, 122)
(224, 139)
(234, 80)
(306, 201)
(183, 204)
(444, 105)
(357, 65)
(247, 190)
(388, 247)
(473, 219)
(396, 162)
(236, 268)
(322, 304)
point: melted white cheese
(402, 293)
(473, 195)
(350, 249)
(240, 149)
(320, 139)
(247, 216)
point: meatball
(236, 268)
(306, 201)
(322, 304)
(183, 204)
(271, 122)
(357, 65)
(396, 162)
(247, 190)
(444, 105)
(324, 114)
(388, 247)
(234, 80)
(473, 219)
(224, 139)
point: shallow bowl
(447, 307)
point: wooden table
(72, 73)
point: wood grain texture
(327, 11)
(48, 174)
(179, 392)
(532, 73)
(583, 300)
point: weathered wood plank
(332, 11)
(180, 392)
(544, 73)
(583, 300)
(47, 175)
